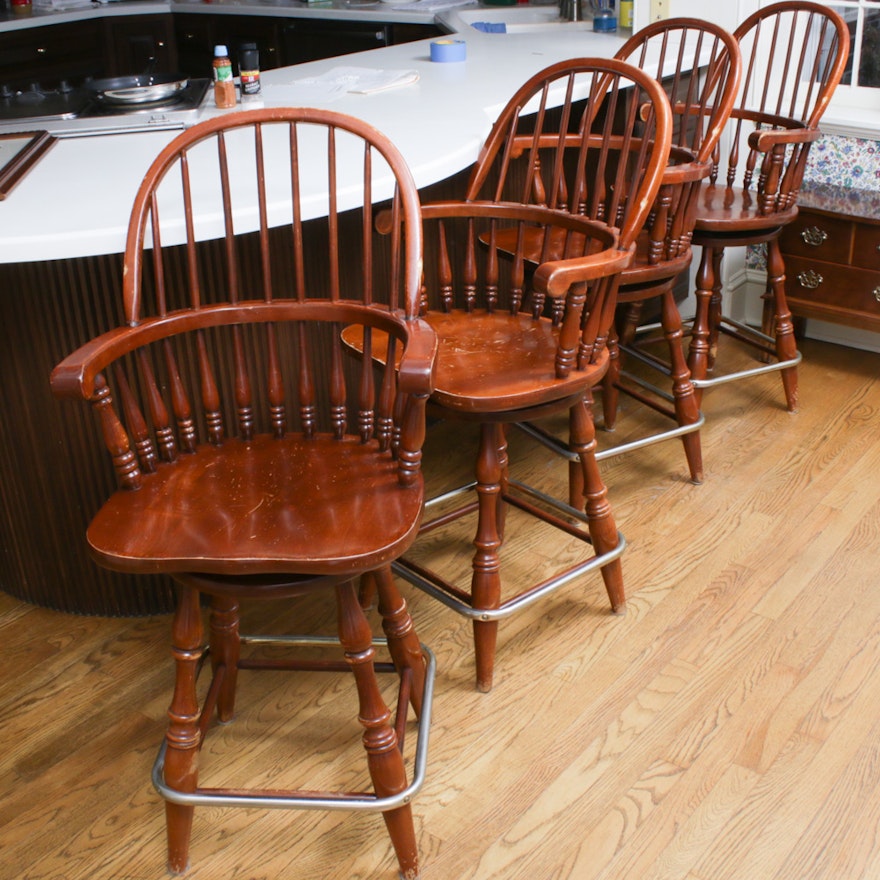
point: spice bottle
(249, 69)
(224, 86)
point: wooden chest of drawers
(832, 258)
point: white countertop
(40, 16)
(361, 10)
(76, 201)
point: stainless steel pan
(140, 89)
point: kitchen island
(62, 232)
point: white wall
(727, 14)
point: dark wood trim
(37, 144)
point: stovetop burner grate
(70, 111)
(186, 99)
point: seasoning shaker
(249, 70)
(224, 85)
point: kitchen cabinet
(131, 41)
(197, 34)
(73, 51)
(832, 258)
(310, 39)
(49, 54)
(123, 45)
(284, 41)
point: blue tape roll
(604, 22)
(448, 50)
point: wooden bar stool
(522, 298)
(698, 65)
(794, 55)
(254, 461)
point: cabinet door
(132, 41)
(409, 33)
(233, 30)
(311, 39)
(194, 35)
(198, 34)
(49, 54)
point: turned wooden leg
(686, 410)
(600, 521)
(630, 323)
(225, 652)
(367, 590)
(576, 497)
(698, 353)
(403, 642)
(183, 735)
(486, 580)
(610, 382)
(503, 466)
(384, 759)
(715, 307)
(786, 344)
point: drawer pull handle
(876, 292)
(814, 236)
(810, 279)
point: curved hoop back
(253, 173)
(794, 54)
(588, 135)
(699, 66)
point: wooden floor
(727, 728)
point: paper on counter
(61, 5)
(365, 81)
(340, 81)
(431, 5)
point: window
(860, 87)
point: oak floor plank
(836, 843)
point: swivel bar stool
(254, 460)
(794, 55)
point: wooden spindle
(306, 385)
(444, 270)
(469, 271)
(180, 404)
(388, 396)
(116, 440)
(165, 438)
(367, 391)
(209, 392)
(275, 384)
(490, 283)
(135, 421)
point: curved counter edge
(76, 201)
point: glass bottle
(224, 85)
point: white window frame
(854, 109)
